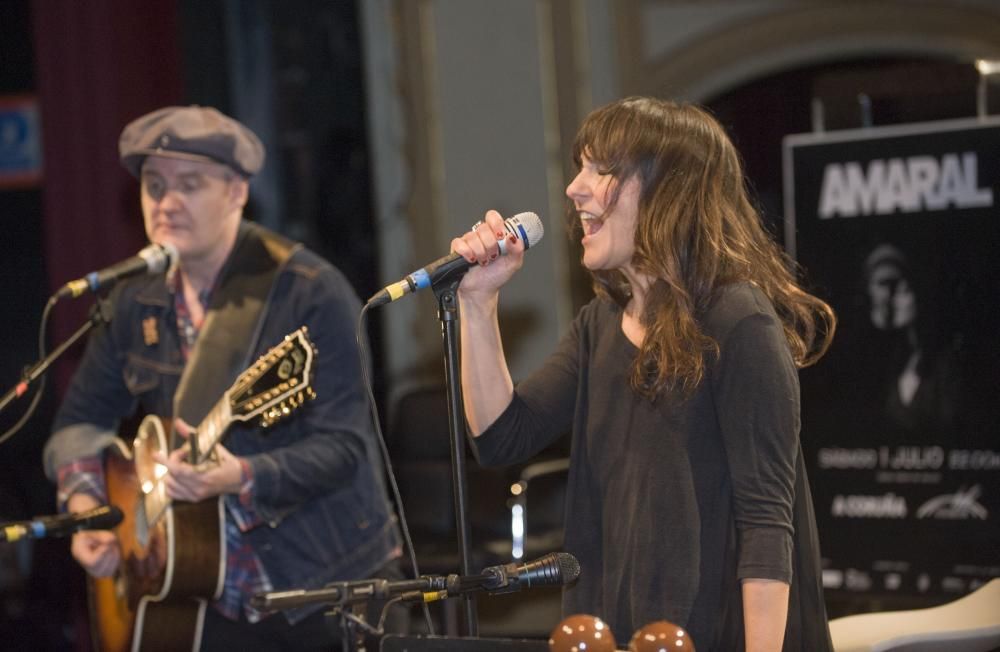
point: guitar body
(173, 556)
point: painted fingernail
(512, 238)
(499, 235)
(493, 256)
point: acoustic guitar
(174, 553)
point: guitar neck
(210, 431)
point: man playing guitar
(303, 500)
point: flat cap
(194, 133)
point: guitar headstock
(278, 383)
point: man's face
(193, 205)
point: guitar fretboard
(210, 431)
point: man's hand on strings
(196, 483)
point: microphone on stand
(554, 569)
(99, 518)
(526, 227)
(152, 259)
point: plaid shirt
(245, 575)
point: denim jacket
(318, 477)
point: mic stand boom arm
(344, 594)
(100, 313)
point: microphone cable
(384, 450)
(28, 413)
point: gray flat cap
(193, 133)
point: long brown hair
(697, 231)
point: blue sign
(20, 142)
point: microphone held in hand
(526, 227)
(152, 259)
(100, 518)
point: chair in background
(420, 450)
(418, 445)
(969, 624)
(537, 505)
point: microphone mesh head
(159, 257)
(527, 226)
(569, 567)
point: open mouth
(590, 223)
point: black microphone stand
(446, 291)
(100, 313)
(557, 568)
(340, 597)
(352, 628)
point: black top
(670, 503)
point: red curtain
(100, 63)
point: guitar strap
(233, 321)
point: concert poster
(898, 229)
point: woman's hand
(480, 246)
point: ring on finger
(477, 225)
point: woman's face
(893, 302)
(608, 231)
